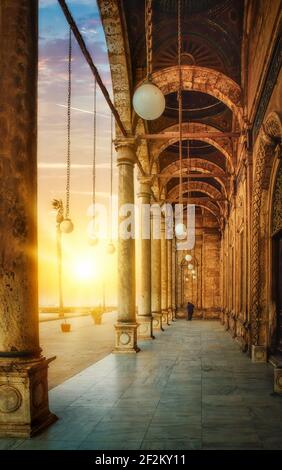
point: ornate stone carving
(269, 84)
(204, 80)
(278, 380)
(277, 202)
(10, 399)
(265, 155)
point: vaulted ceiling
(211, 40)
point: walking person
(190, 310)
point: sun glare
(84, 269)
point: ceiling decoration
(211, 48)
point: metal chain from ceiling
(94, 146)
(149, 37)
(69, 96)
(179, 41)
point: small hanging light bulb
(188, 258)
(66, 226)
(148, 99)
(180, 230)
(190, 266)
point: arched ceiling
(211, 60)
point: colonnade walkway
(191, 388)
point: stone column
(144, 311)
(169, 280)
(164, 274)
(24, 406)
(156, 272)
(173, 281)
(126, 326)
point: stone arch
(197, 164)
(204, 80)
(209, 205)
(197, 186)
(269, 139)
(119, 57)
(223, 144)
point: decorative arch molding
(269, 139)
(197, 164)
(222, 144)
(205, 80)
(208, 205)
(119, 57)
(197, 186)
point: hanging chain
(69, 126)
(179, 41)
(94, 145)
(149, 37)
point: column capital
(121, 142)
(146, 179)
(145, 185)
(126, 150)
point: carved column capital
(126, 150)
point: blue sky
(52, 89)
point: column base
(259, 353)
(24, 406)
(278, 380)
(126, 338)
(173, 314)
(165, 318)
(169, 316)
(145, 328)
(157, 321)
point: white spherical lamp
(149, 101)
(190, 266)
(66, 226)
(111, 248)
(180, 230)
(194, 278)
(188, 258)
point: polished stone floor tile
(191, 388)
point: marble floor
(191, 388)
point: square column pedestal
(145, 327)
(259, 353)
(165, 318)
(157, 322)
(24, 407)
(126, 338)
(169, 316)
(278, 380)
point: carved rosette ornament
(268, 140)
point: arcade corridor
(177, 102)
(189, 389)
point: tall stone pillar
(24, 406)
(156, 272)
(126, 326)
(164, 276)
(169, 280)
(173, 281)
(144, 311)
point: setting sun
(84, 269)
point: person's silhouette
(190, 310)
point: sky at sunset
(84, 266)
